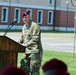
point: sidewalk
(51, 41)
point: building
(49, 14)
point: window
(50, 17)
(17, 15)
(30, 11)
(17, 0)
(4, 14)
(51, 1)
(5, 0)
(39, 16)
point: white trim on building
(50, 17)
(34, 6)
(42, 28)
(27, 6)
(39, 16)
(4, 17)
(17, 14)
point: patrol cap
(54, 64)
(12, 70)
(25, 13)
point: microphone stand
(8, 28)
(74, 4)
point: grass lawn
(64, 56)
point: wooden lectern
(9, 51)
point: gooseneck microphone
(14, 21)
(10, 26)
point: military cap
(25, 13)
(12, 70)
(54, 64)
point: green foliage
(12, 30)
(43, 31)
(64, 56)
(56, 31)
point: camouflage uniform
(31, 34)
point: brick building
(49, 14)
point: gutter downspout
(54, 15)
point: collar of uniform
(28, 26)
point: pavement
(58, 42)
(52, 41)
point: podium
(9, 51)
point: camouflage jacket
(31, 34)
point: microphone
(10, 26)
(14, 21)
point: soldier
(55, 67)
(12, 70)
(31, 39)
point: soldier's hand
(28, 51)
(24, 45)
